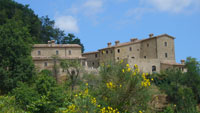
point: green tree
(15, 55)
(49, 32)
(10, 9)
(73, 68)
(192, 76)
(71, 39)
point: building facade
(152, 54)
(44, 55)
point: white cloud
(67, 23)
(88, 8)
(173, 6)
(92, 7)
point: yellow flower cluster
(109, 110)
(128, 69)
(136, 69)
(145, 82)
(110, 85)
(140, 112)
(70, 109)
(93, 101)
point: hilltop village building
(44, 55)
(152, 54)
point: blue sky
(97, 22)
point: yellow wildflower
(140, 112)
(129, 69)
(123, 70)
(121, 61)
(86, 84)
(93, 101)
(152, 79)
(127, 65)
(120, 85)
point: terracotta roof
(56, 45)
(93, 52)
(50, 58)
(137, 41)
(172, 63)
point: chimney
(182, 61)
(49, 42)
(133, 39)
(52, 41)
(109, 44)
(116, 42)
(151, 35)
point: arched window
(153, 68)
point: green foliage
(44, 96)
(25, 95)
(71, 39)
(186, 102)
(169, 109)
(192, 76)
(182, 88)
(46, 72)
(8, 105)
(49, 32)
(15, 61)
(73, 68)
(121, 89)
(10, 9)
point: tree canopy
(42, 29)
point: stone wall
(169, 48)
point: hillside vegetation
(116, 89)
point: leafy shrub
(25, 95)
(186, 101)
(122, 87)
(8, 105)
(44, 96)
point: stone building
(152, 54)
(44, 55)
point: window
(145, 57)
(165, 43)
(147, 45)
(106, 51)
(110, 51)
(57, 52)
(132, 57)
(117, 58)
(137, 49)
(130, 48)
(45, 64)
(70, 52)
(93, 63)
(166, 55)
(118, 50)
(153, 68)
(96, 56)
(39, 52)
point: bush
(122, 87)
(186, 101)
(8, 105)
(44, 96)
(25, 95)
